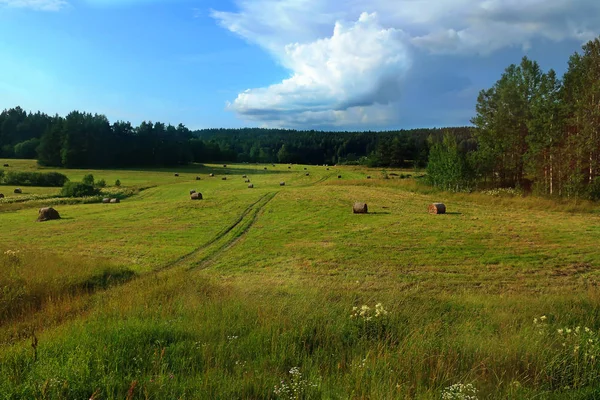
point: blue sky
(306, 64)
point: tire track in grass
(235, 234)
(206, 246)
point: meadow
(281, 292)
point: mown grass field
(250, 293)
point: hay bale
(211, 175)
(198, 178)
(247, 181)
(224, 178)
(224, 165)
(244, 176)
(18, 191)
(339, 177)
(6, 165)
(105, 200)
(192, 192)
(265, 168)
(115, 201)
(327, 169)
(281, 183)
(307, 174)
(1, 195)
(368, 176)
(360, 208)
(176, 174)
(196, 196)
(289, 167)
(47, 214)
(437, 208)
(305, 169)
(251, 186)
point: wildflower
(577, 329)
(535, 320)
(543, 318)
(587, 330)
(568, 330)
(560, 331)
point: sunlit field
(281, 292)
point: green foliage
(448, 167)
(88, 179)
(45, 179)
(117, 183)
(100, 183)
(27, 149)
(78, 189)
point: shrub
(78, 189)
(117, 183)
(101, 183)
(48, 179)
(88, 179)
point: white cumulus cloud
(335, 80)
(38, 5)
(348, 73)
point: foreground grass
(234, 292)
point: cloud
(352, 72)
(334, 79)
(38, 5)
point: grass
(161, 297)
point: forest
(533, 131)
(84, 140)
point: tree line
(533, 130)
(89, 140)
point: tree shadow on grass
(379, 212)
(454, 213)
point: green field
(250, 293)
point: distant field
(163, 297)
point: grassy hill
(283, 292)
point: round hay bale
(307, 174)
(281, 183)
(305, 169)
(360, 208)
(47, 214)
(265, 168)
(105, 200)
(272, 165)
(244, 176)
(211, 175)
(192, 192)
(176, 174)
(327, 169)
(339, 177)
(289, 167)
(1, 195)
(18, 191)
(224, 165)
(115, 201)
(247, 181)
(198, 178)
(251, 186)
(437, 208)
(368, 176)
(6, 165)
(224, 178)
(196, 196)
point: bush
(117, 183)
(101, 183)
(88, 179)
(27, 149)
(48, 179)
(78, 189)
